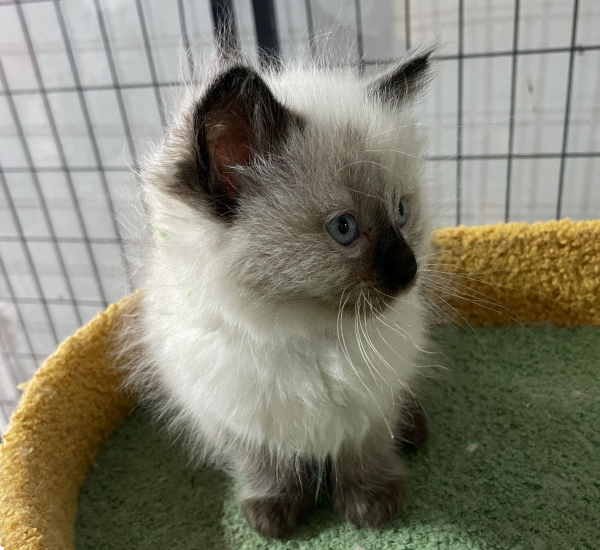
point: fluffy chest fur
(292, 388)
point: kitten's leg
(277, 494)
(412, 429)
(369, 482)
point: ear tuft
(403, 81)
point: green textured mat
(513, 462)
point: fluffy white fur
(237, 360)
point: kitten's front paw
(370, 506)
(273, 517)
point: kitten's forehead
(352, 140)
(365, 162)
(339, 101)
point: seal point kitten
(282, 318)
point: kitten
(281, 317)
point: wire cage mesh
(512, 119)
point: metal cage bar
(511, 120)
(30, 264)
(442, 58)
(565, 140)
(226, 34)
(360, 48)
(185, 39)
(39, 194)
(266, 31)
(14, 300)
(151, 66)
(310, 28)
(407, 29)
(99, 168)
(116, 85)
(63, 160)
(459, 111)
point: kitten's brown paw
(273, 517)
(372, 506)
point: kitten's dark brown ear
(237, 120)
(403, 81)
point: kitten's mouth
(375, 297)
(381, 287)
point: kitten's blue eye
(343, 229)
(402, 213)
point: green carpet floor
(513, 462)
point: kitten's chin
(365, 298)
(370, 298)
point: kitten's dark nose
(394, 263)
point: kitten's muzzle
(394, 263)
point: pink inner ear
(230, 154)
